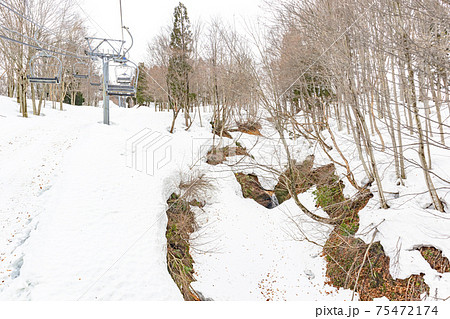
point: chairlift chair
(126, 78)
(95, 80)
(37, 76)
(124, 73)
(121, 90)
(81, 70)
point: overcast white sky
(146, 17)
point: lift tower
(126, 72)
(106, 50)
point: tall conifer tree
(180, 64)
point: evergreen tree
(180, 64)
(77, 96)
(142, 98)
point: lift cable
(96, 25)
(121, 17)
(39, 44)
(37, 47)
(42, 27)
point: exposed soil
(181, 224)
(217, 156)
(251, 128)
(304, 177)
(435, 258)
(251, 188)
(220, 129)
(345, 254)
(224, 133)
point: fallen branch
(363, 262)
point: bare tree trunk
(412, 93)
(33, 98)
(41, 98)
(22, 94)
(362, 127)
(386, 96)
(435, 91)
(399, 123)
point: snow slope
(78, 223)
(245, 233)
(244, 251)
(82, 225)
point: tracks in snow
(29, 162)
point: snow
(244, 251)
(411, 222)
(88, 227)
(82, 211)
(402, 232)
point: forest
(315, 138)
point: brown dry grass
(217, 156)
(252, 128)
(435, 258)
(352, 264)
(180, 225)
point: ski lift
(124, 73)
(121, 90)
(126, 78)
(45, 68)
(81, 70)
(95, 80)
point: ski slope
(82, 219)
(77, 222)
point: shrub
(180, 225)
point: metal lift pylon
(105, 91)
(125, 84)
(113, 51)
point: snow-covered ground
(77, 223)
(240, 227)
(247, 252)
(82, 212)
(411, 222)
